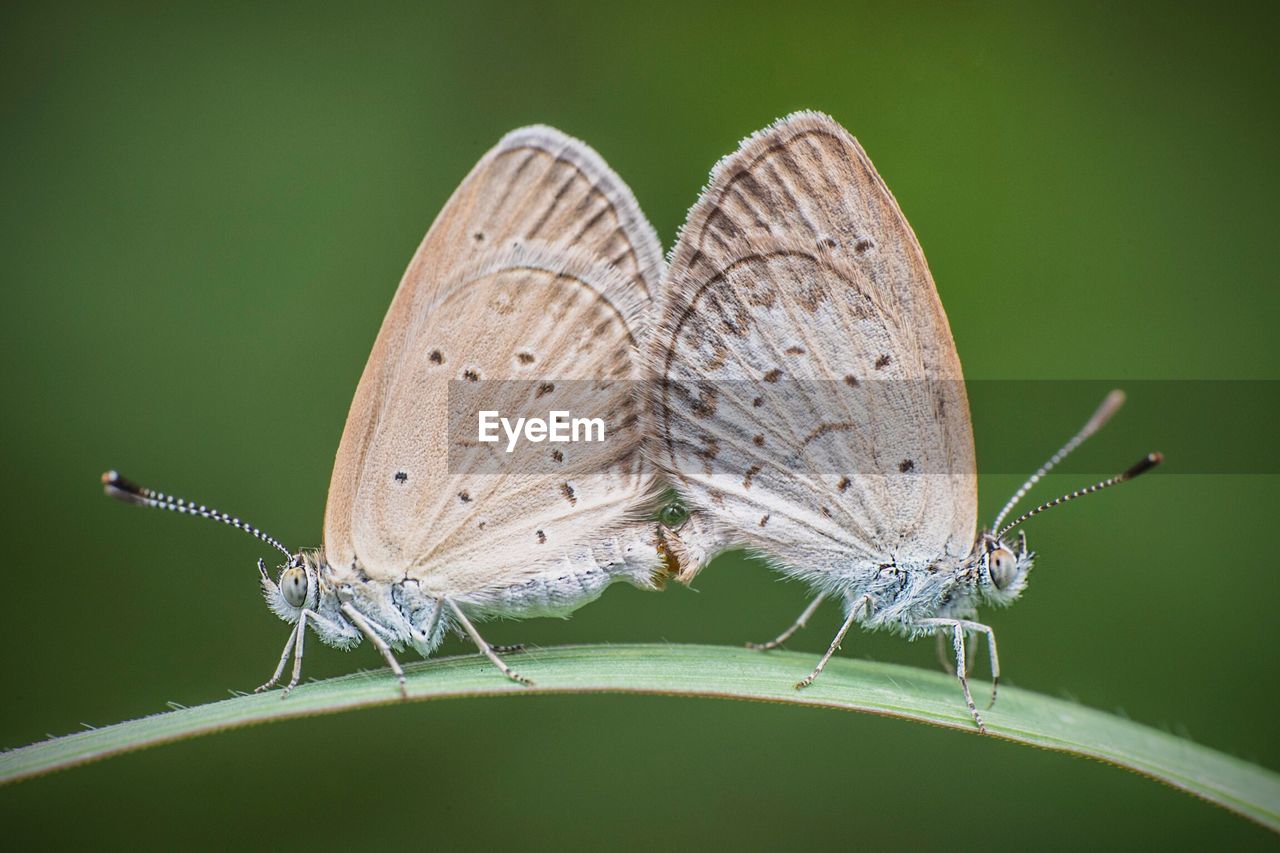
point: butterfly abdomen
(577, 577)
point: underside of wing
(809, 397)
(540, 267)
(523, 333)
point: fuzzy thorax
(903, 598)
(406, 614)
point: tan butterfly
(809, 402)
(539, 270)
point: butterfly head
(1002, 568)
(296, 587)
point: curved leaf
(710, 671)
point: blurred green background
(206, 211)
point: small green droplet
(673, 515)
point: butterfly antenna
(1143, 465)
(129, 492)
(1103, 414)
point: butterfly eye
(293, 585)
(673, 515)
(1003, 566)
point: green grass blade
(710, 671)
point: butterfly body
(901, 598)
(808, 400)
(536, 276)
(407, 615)
(531, 291)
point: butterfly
(808, 402)
(540, 270)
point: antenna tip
(1143, 465)
(121, 489)
(1109, 406)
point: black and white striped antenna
(1142, 466)
(129, 492)
(1109, 407)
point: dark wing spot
(751, 472)
(825, 428)
(811, 293)
(557, 455)
(710, 449)
(436, 357)
(764, 519)
(793, 350)
(827, 242)
(825, 511)
(758, 402)
(843, 485)
(544, 388)
(478, 236)
(906, 465)
(542, 538)
(464, 496)
(470, 375)
(481, 524)
(525, 357)
(705, 405)
(773, 375)
(401, 476)
(862, 246)
(851, 381)
(758, 439)
(882, 362)
(569, 494)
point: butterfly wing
(809, 400)
(538, 268)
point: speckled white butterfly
(540, 267)
(809, 403)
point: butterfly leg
(433, 620)
(380, 644)
(864, 601)
(297, 654)
(942, 647)
(484, 646)
(958, 628)
(787, 634)
(991, 647)
(295, 645)
(284, 659)
(995, 658)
